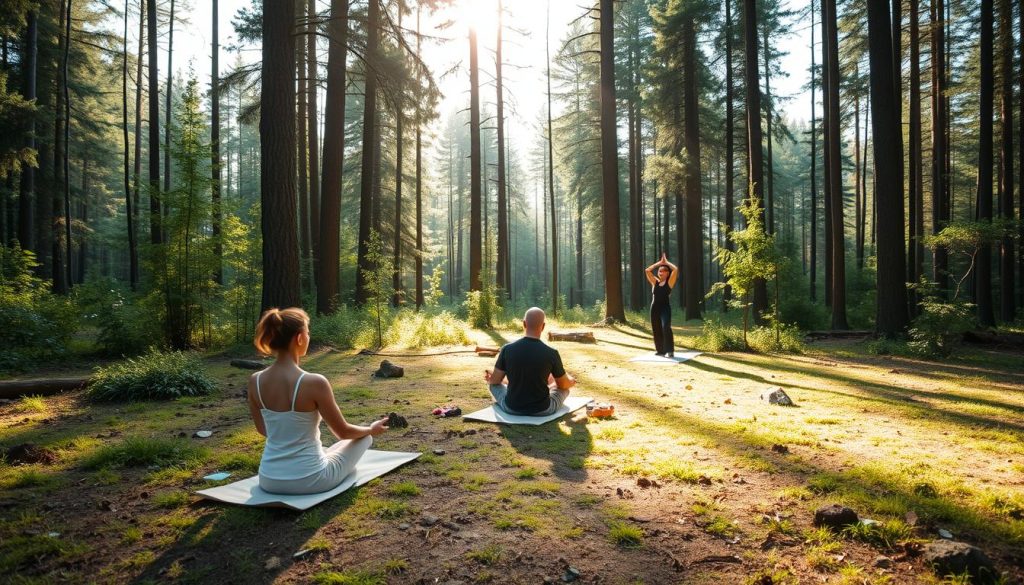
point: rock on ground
(779, 396)
(389, 370)
(835, 517)
(949, 557)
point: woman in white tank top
(287, 405)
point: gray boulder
(949, 557)
(779, 396)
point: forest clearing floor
(697, 479)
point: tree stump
(41, 387)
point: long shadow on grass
(231, 544)
(875, 392)
(861, 486)
(567, 451)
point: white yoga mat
(491, 414)
(247, 492)
(680, 357)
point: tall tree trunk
(614, 309)
(755, 165)
(826, 164)
(27, 186)
(60, 285)
(301, 113)
(502, 267)
(327, 300)
(133, 258)
(835, 175)
(66, 159)
(155, 234)
(218, 246)
(983, 259)
(940, 204)
(369, 139)
(277, 154)
(729, 139)
(83, 241)
(419, 182)
(693, 259)
(636, 210)
(168, 106)
(1020, 165)
(313, 134)
(891, 315)
(1007, 304)
(551, 175)
(770, 169)
(858, 180)
(475, 232)
(396, 276)
(137, 164)
(915, 247)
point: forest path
(723, 502)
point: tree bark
(755, 165)
(133, 259)
(940, 204)
(915, 248)
(168, 105)
(502, 260)
(891, 308)
(770, 168)
(327, 300)
(396, 277)
(27, 185)
(366, 178)
(614, 309)
(218, 245)
(693, 259)
(277, 155)
(1007, 294)
(313, 134)
(301, 112)
(475, 232)
(551, 177)
(729, 140)
(835, 193)
(137, 164)
(66, 159)
(983, 261)
(155, 234)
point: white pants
(341, 459)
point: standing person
(287, 406)
(537, 383)
(661, 305)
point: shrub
(341, 328)
(34, 324)
(781, 338)
(940, 327)
(482, 307)
(123, 319)
(715, 337)
(154, 376)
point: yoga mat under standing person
(662, 281)
(287, 405)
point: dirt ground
(697, 479)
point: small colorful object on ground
(600, 409)
(447, 411)
(220, 475)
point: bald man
(537, 382)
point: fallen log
(249, 364)
(483, 351)
(577, 336)
(988, 338)
(10, 389)
(816, 335)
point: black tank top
(661, 295)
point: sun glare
(480, 15)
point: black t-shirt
(527, 363)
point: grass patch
(26, 478)
(624, 534)
(143, 452)
(404, 489)
(348, 578)
(488, 555)
(154, 376)
(881, 534)
(526, 473)
(395, 566)
(721, 527)
(35, 404)
(22, 551)
(174, 499)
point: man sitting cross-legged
(537, 382)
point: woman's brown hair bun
(277, 328)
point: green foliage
(776, 338)
(482, 306)
(14, 109)
(940, 327)
(351, 328)
(348, 578)
(243, 263)
(754, 258)
(434, 292)
(716, 337)
(378, 281)
(154, 376)
(142, 452)
(966, 238)
(34, 324)
(123, 319)
(882, 534)
(626, 535)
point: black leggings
(661, 326)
